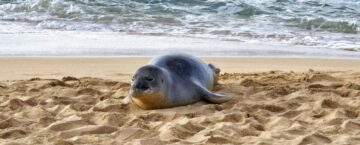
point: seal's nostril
(148, 79)
(141, 86)
(144, 87)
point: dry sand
(275, 101)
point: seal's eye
(148, 79)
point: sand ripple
(272, 107)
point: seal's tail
(217, 73)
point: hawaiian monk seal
(174, 80)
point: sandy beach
(290, 67)
(78, 100)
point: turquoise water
(331, 24)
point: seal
(174, 80)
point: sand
(66, 101)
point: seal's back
(186, 67)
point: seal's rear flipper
(215, 98)
(211, 97)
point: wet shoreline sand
(121, 68)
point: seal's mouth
(140, 91)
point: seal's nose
(142, 86)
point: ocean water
(307, 26)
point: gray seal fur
(174, 80)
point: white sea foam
(70, 43)
(330, 24)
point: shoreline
(121, 68)
(110, 43)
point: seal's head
(148, 87)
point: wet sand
(121, 68)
